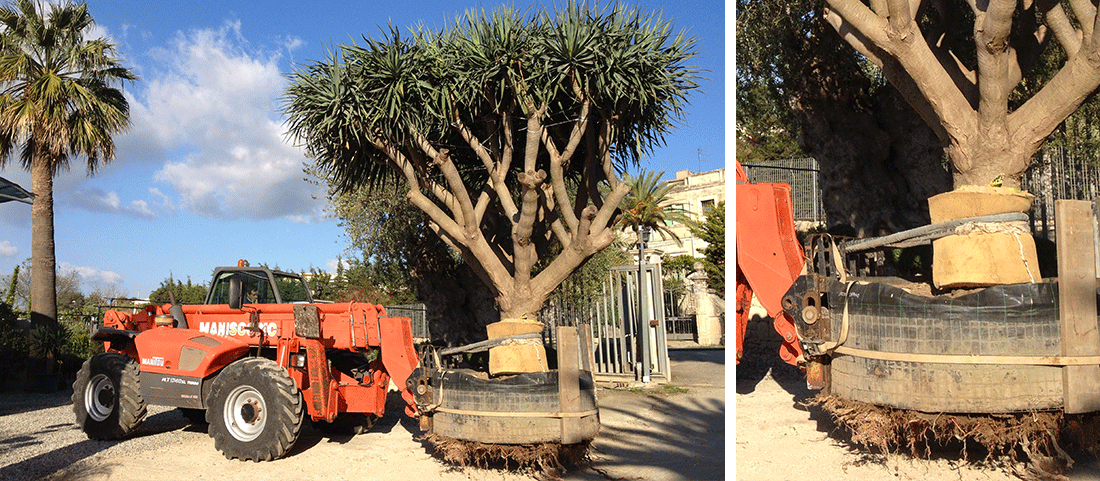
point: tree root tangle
(550, 459)
(1045, 438)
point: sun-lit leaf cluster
(647, 205)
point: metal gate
(619, 350)
(627, 343)
(680, 328)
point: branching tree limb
(983, 132)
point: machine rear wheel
(255, 410)
(107, 396)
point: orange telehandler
(253, 361)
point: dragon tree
(509, 130)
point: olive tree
(989, 115)
(508, 130)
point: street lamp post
(643, 323)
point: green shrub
(13, 345)
(78, 346)
(47, 342)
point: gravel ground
(38, 437)
(675, 437)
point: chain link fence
(802, 176)
(419, 315)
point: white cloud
(96, 30)
(332, 264)
(292, 43)
(164, 201)
(211, 116)
(96, 200)
(8, 250)
(92, 275)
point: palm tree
(646, 205)
(58, 101)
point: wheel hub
(100, 397)
(251, 411)
(244, 413)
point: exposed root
(547, 459)
(1037, 435)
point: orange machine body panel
(769, 257)
(177, 365)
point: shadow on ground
(761, 358)
(679, 435)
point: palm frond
(647, 205)
(60, 98)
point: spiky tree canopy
(490, 121)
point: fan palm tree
(59, 101)
(646, 205)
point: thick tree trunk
(524, 305)
(980, 162)
(43, 262)
(879, 165)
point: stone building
(694, 194)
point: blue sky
(205, 177)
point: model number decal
(237, 328)
(176, 380)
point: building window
(675, 209)
(707, 205)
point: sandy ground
(778, 438)
(648, 437)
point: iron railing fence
(1057, 175)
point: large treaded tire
(107, 397)
(490, 411)
(1010, 320)
(255, 410)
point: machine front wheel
(255, 410)
(107, 397)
